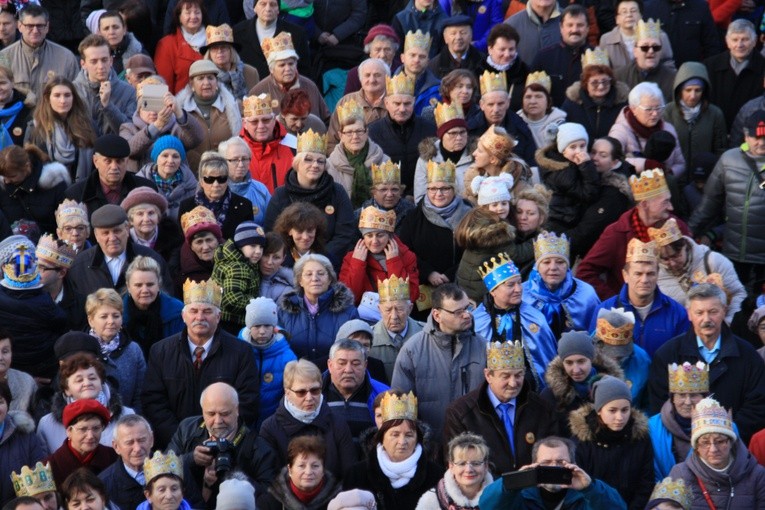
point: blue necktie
(507, 418)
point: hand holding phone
(546, 475)
(153, 97)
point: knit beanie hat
(235, 495)
(609, 389)
(492, 189)
(167, 142)
(144, 195)
(576, 342)
(260, 312)
(570, 132)
(355, 499)
(249, 232)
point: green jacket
(239, 279)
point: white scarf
(197, 40)
(399, 473)
(299, 414)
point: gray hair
(144, 263)
(227, 388)
(554, 442)
(739, 26)
(313, 257)
(645, 88)
(378, 61)
(347, 344)
(212, 160)
(707, 291)
(225, 145)
(131, 420)
(368, 46)
(468, 441)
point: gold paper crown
(350, 110)
(505, 356)
(648, 29)
(282, 42)
(150, 80)
(417, 40)
(220, 34)
(687, 378)
(71, 210)
(499, 145)
(399, 408)
(199, 214)
(615, 335)
(638, 251)
(253, 106)
(492, 82)
(442, 172)
(674, 490)
(393, 289)
(386, 173)
(547, 244)
(159, 464)
(31, 482)
(541, 78)
(399, 84)
(651, 183)
(56, 252)
(596, 57)
(377, 219)
(667, 234)
(312, 142)
(204, 292)
(446, 112)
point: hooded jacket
(271, 160)
(37, 197)
(597, 119)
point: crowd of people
(415, 255)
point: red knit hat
(85, 406)
(381, 29)
(450, 124)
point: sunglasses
(655, 47)
(220, 179)
(302, 393)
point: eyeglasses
(652, 109)
(79, 229)
(35, 26)
(461, 311)
(442, 191)
(302, 393)
(475, 464)
(309, 160)
(42, 268)
(719, 444)
(318, 274)
(600, 83)
(655, 47)
(238, 161)
(355, 132)
(220, 179)
(258, 121)
(97, 429)
(460, 133)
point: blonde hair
(102, 297)
(302, 369)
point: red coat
(607, 256)
(270, 160)
(360, 276)
(63, 462)
(173, 59)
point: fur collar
(429, 150)
(454, 492)
(281, 491)
(582, 429)
(622, 93)
(230, 107)
(58, 403)
(342, 298)
(487, 237)
(618, 181)
(22, 421)
(561, 385)
(52, 174)
(550, 159)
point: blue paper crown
(498, 270)
(21, 270)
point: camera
(223, 451)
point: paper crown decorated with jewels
(31, 482)
(596, 57)
(349, 112)
(55, 251)
(386, 173)
(492, 82)
(648, 30)
(666, 234)
(393, 289)
(159, 464)
(638, 251)
(400, 84)
(445, 112)
(615, 335)
(547, 244)
(651, 183)
(254, 106)
(687, 378)
(197, 216)
(417, 40)
(399, 408)
(540, 77)
(278, 48)
(70, 211)
(673, 490)
(21, 270)
(220, 34)
(442, 172)
(497, 271)
(376, 219)
(312, 142)
(500, 145)
(709, 417)
(204, 292)
(505, 356)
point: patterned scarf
(219, 207)
(641, 231)
(166, 186)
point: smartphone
(153, 97)
(553, 475)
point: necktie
(198, 358)
(507, 413)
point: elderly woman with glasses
(238, 156)
(214, 194)
(303, 412)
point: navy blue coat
(690, 28)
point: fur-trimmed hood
(486, 237)
(335, 300)
(618, 181)
(22, 421)
(561, 385)
(586, 428)
(229, 106)
(52, 174)
(573, 93)
(550, 159)
(115, 407)
(428, 149)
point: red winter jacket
(173, 58)
(270, 160)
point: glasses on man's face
(440, 191)
(238, 161)
(655, 47)
(35, 26)
(43, 269)
(459, 311)
(301, 393)
(652, 109)
(354, 132)
(719, 444)
(220, 179)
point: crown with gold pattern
(253, 106)
(376, 219)
(69, 211)
(386, 173)
(204, 292)
(500, 145)
(55, 251)
(445, 171)
(672, 490)
(278, 48)
(398, 408)
(541, 78)
(547, 244)
(446, 112)
(220, 34)
(349, 112)
(615, 335)
(497, 271)
(596, 57)
(31, 482)
(505, 356)
(21, 270)
(393, 289)
(709, 417)
(492, 82)
(687, 378)
(312, 142)
(638, 251)
(666, 234)
(197, 215)
(159, 464)
(417, 40)
(648, 30)
(400, 84)
(650, 184)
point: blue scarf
(219, 207)
(7, 117)
(551, 300)
(583, 388)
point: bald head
(220, 410)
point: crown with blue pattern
(21, 270)
(497, 271)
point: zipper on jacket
(744, 216)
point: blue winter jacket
(425, 88)
(485, 14)
(598, 496)
(636, 372)
(169, 312)
(257, 193)
(428, 21)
